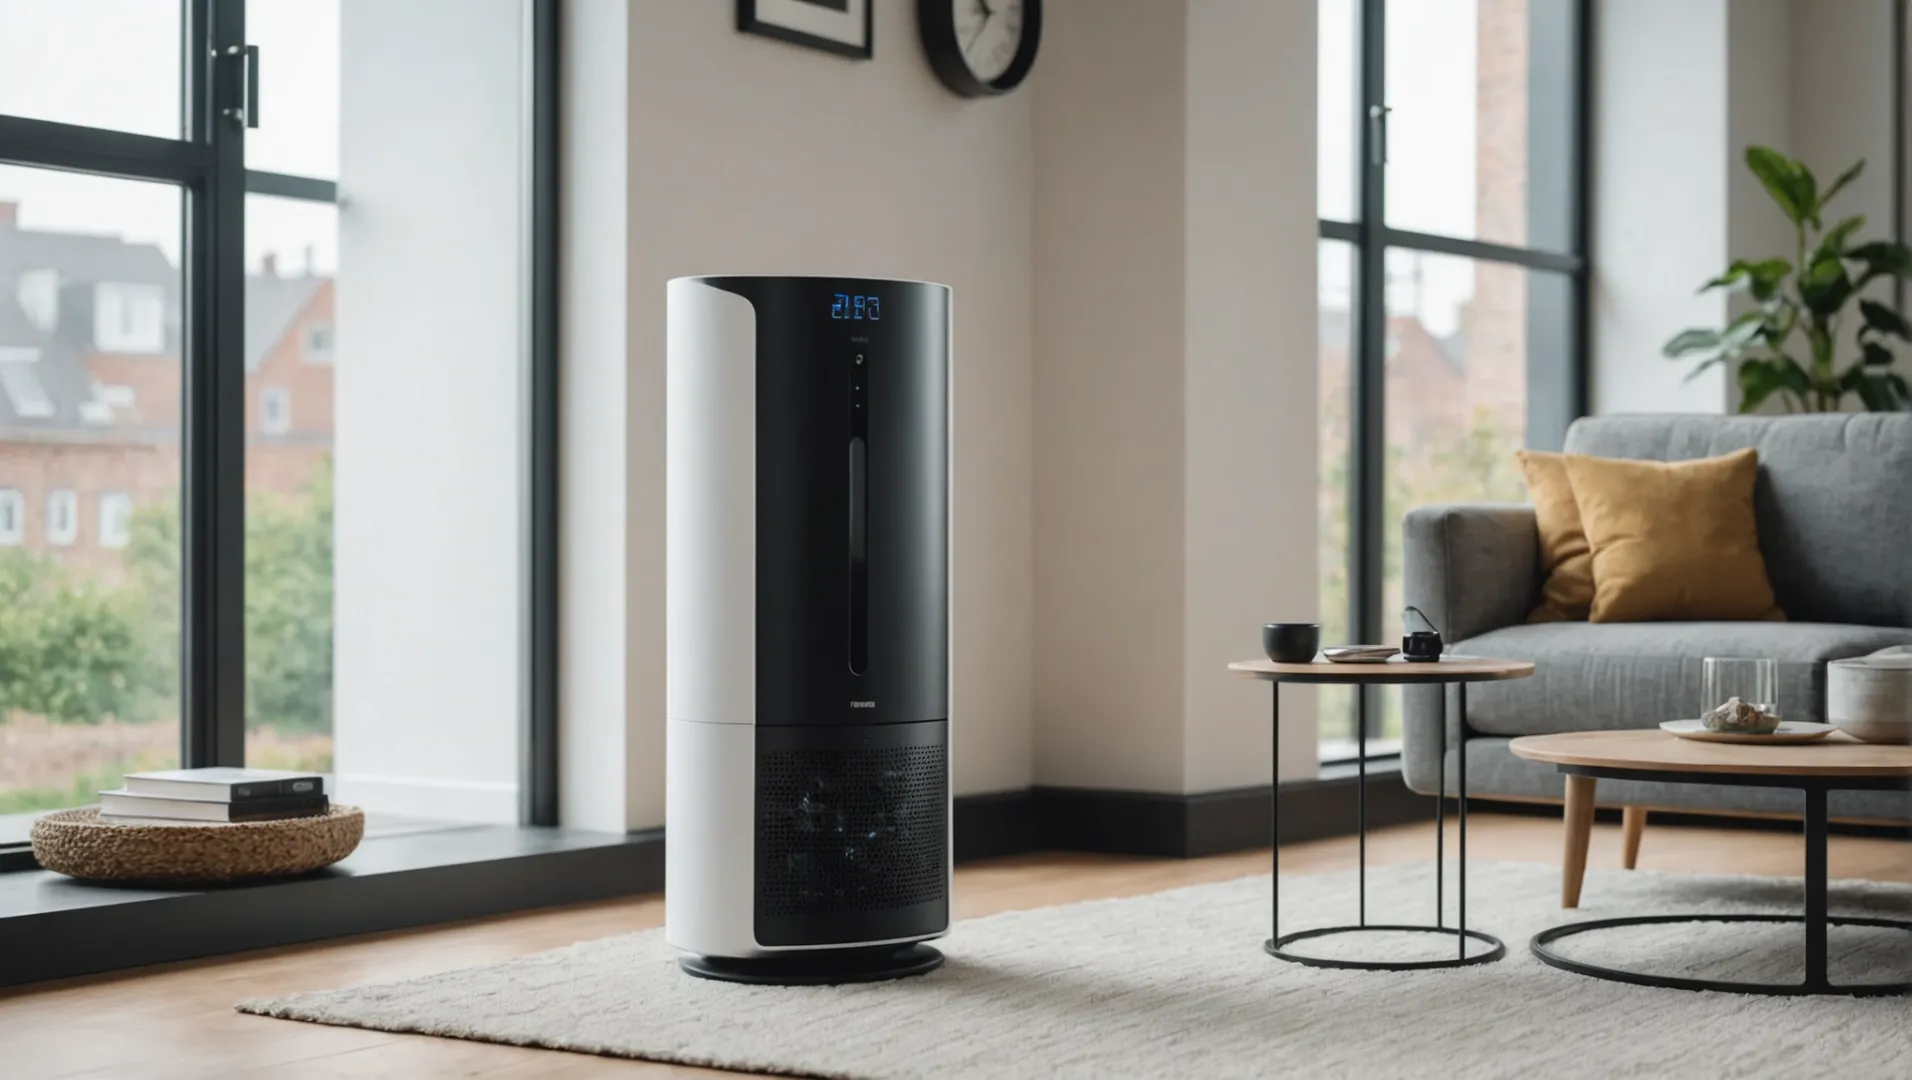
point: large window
(176, 368)
(1452, 285)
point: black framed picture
(838, 26)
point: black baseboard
(1175, 826)
(52, 927)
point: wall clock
(980, 47)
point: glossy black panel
(852, 541)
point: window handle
(247, 113)
(1378, 133)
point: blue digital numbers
(850, 306)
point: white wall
(602, 752)
(747, 155)
(1175, 444)
(1110, 101)
(1250, 512)
(428, 553)
(1659, 185)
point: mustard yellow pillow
(1673, 540)
(1565, 556)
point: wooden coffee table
(1835, 763)
(1459, 670)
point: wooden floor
(177, 1020)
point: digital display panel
(856, 307)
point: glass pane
(89, 486)
(1335, 287)
(291, 268)
(298, 128)
(1338, 118)
(101, 63)
(1481, 136)
(1471, 347)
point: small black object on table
(1458, 670)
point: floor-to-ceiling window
(274, 382)
(1452, 284)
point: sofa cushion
(1635, 675)
(1672, 539)
(1833, 502)
(1565, 558)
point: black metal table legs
(1815, 920)
(1277, 944)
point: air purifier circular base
(818, 967)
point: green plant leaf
(1834, 241)
(1703, 366)
(1880, 393)
(1845, 178)
(1885, 320)
(1877, 355)
(1687, 342)
(1780, 176)
(1825, 287)
(1758, 380)
(1762, 276)
(1885, 256)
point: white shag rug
(1176, 984)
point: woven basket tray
(80, 844)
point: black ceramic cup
(1291, 642)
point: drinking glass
(1755, 682)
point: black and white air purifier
(808, 627)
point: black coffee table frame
(1814, 919)
(1277, 944)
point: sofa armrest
(1470, 569)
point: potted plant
(1785, 346)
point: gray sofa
(1834, 503)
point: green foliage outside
(1471, 465)
(81, 652)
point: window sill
(54, 927)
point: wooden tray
(80, 844)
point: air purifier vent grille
(853, 830)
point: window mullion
(212, 538)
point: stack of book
(219, 794)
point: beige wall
(1250, 366)
(1110, 105)
(747, 155)
(1175, 444)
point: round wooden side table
(1450, 669)
(1837, 762)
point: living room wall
(1135, 362)
(695, 149)
(1679, 91)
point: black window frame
(1369, 238)
(207, 162)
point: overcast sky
(116, 63)
(1431, 82)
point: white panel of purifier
(710, 855)
(710, 507)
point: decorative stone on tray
(1740, 716)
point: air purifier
(808, 805)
